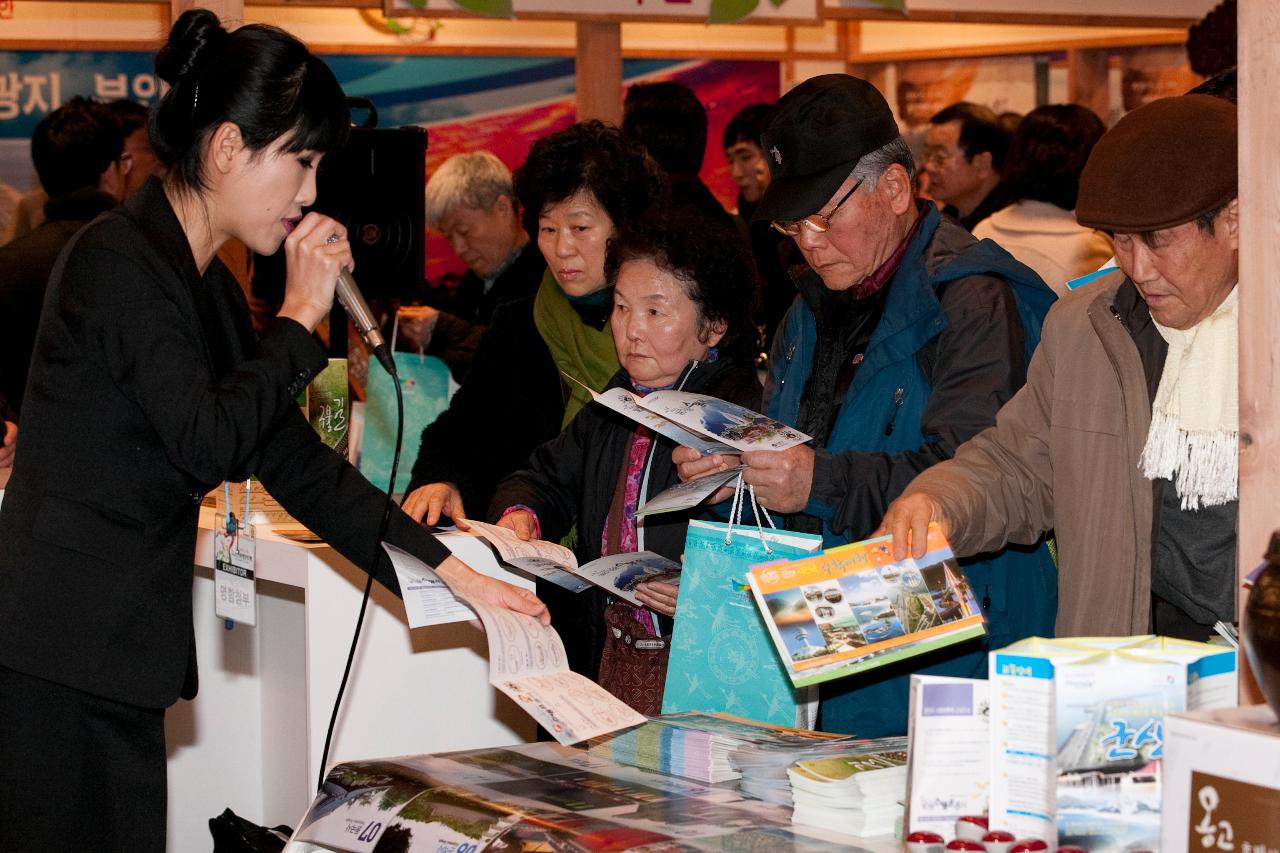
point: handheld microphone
(362, 318)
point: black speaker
(374, 186)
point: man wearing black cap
(1124, 439)
(907, 337)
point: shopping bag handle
(735, 513)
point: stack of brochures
(698, 745)
(858, 794)
(693, 753)
(764, 765)
(854, 608)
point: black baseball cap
(813, 137)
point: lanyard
(231, 516)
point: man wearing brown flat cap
(1124, 439)
(906, 337)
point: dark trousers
(1169, 620)
(78, 772)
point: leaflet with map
(617, 574)
(854, 608)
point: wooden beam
(1088, 80)
(1259, 64)
(598, 71)
(932, 16)
(1156, 37)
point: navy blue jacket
(960, 321)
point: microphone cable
(378, 555)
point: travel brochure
(1077, 732)
(853, 608)
(950, 768)
(707, 424)
(857, 793)
(527, 662)
(526, 659)
(542, 797)
(699, 745)
(617, 574)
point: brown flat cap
(1161, 165)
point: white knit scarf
(1195, 421)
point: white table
(252, 739)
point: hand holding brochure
(618, 574)
(526, 659)
(853, 608)
(527, 662)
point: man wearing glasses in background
(906, 338)
(78, 151)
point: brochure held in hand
(854, 608)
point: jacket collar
(696, 375)
(151, 212)
(82, 204)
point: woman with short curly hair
(677, 314)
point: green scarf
(577, 349)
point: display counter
(253, 738)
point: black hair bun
(195, 36)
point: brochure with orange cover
(854, 608)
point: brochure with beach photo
(854, 608)
(617, 574)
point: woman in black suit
(148, 389)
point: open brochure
(708, 424)
(527, 662)
(617, 574)
(854, 607)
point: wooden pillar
(1087, 81)
(598, 71)
(230, 12)
(788, 65)
(1259, 64)
(875, 73)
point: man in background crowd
(964, 156)
(142, 161)
(78, 151)
(750, 171)
(8, 433)
(470, 200)
(670, 122)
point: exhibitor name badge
(234, 590)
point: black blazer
(147, 389)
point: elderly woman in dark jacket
(680, 317)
